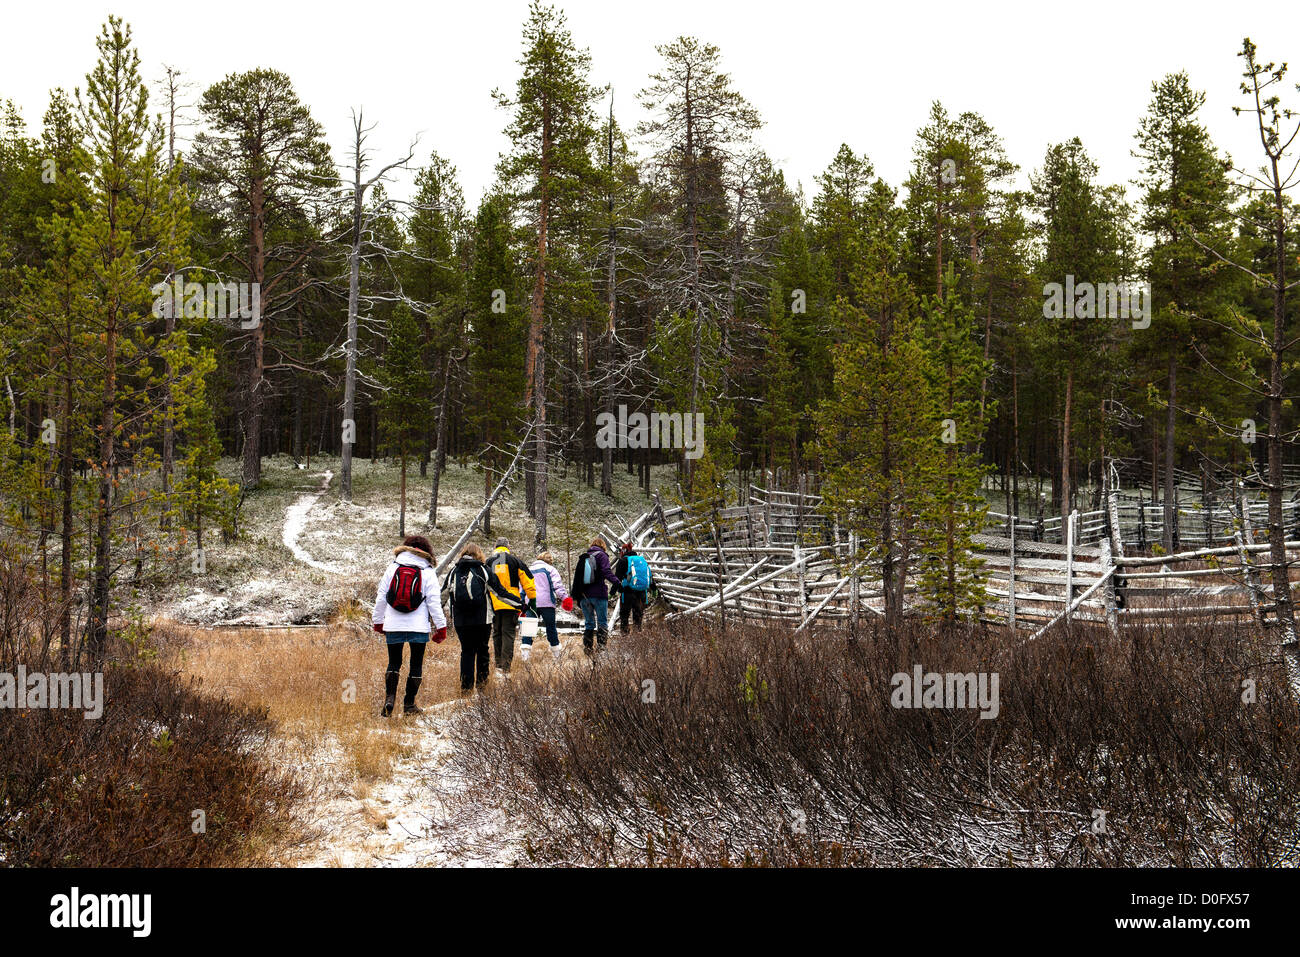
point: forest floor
(280, 620)
(305, 557)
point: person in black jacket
(594, 594)
(468, 588)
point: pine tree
(497, 333)
(263, 162)
(950, 573)
(129, 212)
(1186, 206)
(877, 433)
(404, 402)
(550, 167)
(434, 280)
(1083, 234)
(698, 123)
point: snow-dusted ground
(423, 816)
(305, 557)
(294, 520)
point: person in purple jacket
(593, 582)
(550, 592)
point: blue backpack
(638, 573)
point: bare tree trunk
(65, 481)
(169, 424)
(1277, 349)
(440, 451)
(1170, 449)
(1065, 450)
(252, 467)
(535, 359)
(354, 295)
(611, 295)
(401, 510)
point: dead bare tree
(361, 222)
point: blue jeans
(594, 612)
(401, 637)
(548, 619)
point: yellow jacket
(514, 582)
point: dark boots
(594, 641)
(390, 693)
(408, 703)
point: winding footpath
(295, 518)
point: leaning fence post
(1069, 562)
(1252, 584)
(1108, 590)
(1177, 539)
(1011, 578)
(1244, 539)
(854, 591)
(803, 586)
(722, 581)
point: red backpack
(406, 590)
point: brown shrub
(767, 748)
(121, 790)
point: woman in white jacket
(408, 605)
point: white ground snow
(303, 555)
(295, 517)
(328, 553)
(421, 817)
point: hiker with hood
(512, 585)
(550, 591)
(633, 573)
(469, 593)
(408, 606)
(593, 582)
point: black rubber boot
(390, 692)
(588, 637)
(602, 639)
(408, 703)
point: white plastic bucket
(528, 626)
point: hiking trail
(295, 518)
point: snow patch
(295, 519)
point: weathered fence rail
(779, 557)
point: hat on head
(503, 542)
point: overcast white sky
(819, 72)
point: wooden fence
(780, 557)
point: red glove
(440, 635)
(379, 627)
(567, 604)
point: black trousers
(417, 657)
(505, 625)
(473, 654)
(631, 602)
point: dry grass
(322, 686)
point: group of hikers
(488, 598)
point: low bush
(762, 747)
(166, 776)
